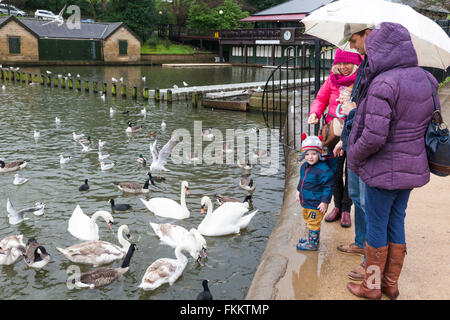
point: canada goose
(133, 187)
(205, 294)
(84, 186)
(222, 199)
(103, 276)
(12, 166)
(247, 183)
(11, 249)
(159, 159)
(99, 252)
(19, 180)
(132, 128)
(119, 206)
(36, 256)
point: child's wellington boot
(312, 243)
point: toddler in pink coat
(342, 75)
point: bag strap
(437, 116)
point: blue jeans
(356, 192)
(386, 211)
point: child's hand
(323, 207)
(297, 197)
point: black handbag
(437, 142)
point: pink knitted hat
(347, 57)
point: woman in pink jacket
(343, 74)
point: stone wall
(111, 47)
(28, 43)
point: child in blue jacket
(314, 190)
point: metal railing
(290, 90)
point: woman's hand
(347, 107)
(337, 151)
(313, 119)
(323, 207)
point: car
(44, 15)
(12, 10)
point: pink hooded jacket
(329, 92)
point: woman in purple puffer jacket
(386, 149)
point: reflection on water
(232, 260)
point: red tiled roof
(277, 17)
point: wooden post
(55, 81)
(104, 87)
(35, 78)
(134, 92)
(18, 76)
(157, 95)
(95, 86)
(169, 95)
(123, 90)
(24, 76)
(49, 81)
(86, 85)
(114, 89)
(70, 80)
(63, 82)
(78, 84)
(145, 93)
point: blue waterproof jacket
(315, 185)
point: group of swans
(228, 218)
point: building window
(123, 47)
(14, 45)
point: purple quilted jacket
(386, 145)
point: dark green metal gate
(64, 49)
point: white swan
(227, 219)
(165, 207)
(11, 249)
(85, 228)
(164, 270)
(174, 236)
(99, 253)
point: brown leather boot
(394, 264)
(334, 215)
(370, 287)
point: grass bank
(169, 49)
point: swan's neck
(123, 242)
(183, 197)
(209, 204)
(102, 214)
(179, 254)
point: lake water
(232, 260)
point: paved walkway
(284, 273)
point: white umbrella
(336, 20)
